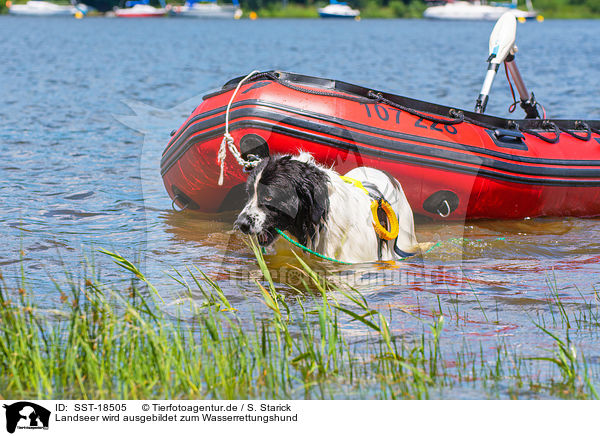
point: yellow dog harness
(378, 203)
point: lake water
(86, 107)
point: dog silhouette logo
(26, 415)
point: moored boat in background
(45, 9)
(337, 9)
(208, 9)
(140, 9)
(479, 10)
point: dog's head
(288, 193)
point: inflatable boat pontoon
(452, 163)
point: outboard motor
(502, 48)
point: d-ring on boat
(452, 163)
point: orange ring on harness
(381, 231)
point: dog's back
(392, 192)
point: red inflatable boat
(452, 164)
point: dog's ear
(320, 200)
(315, 198)
(288, 205)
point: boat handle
(448, 210)
(505, 133)
(173, 204)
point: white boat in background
(337, 9)
(45, 9)
(208, 9)
(479, 10)
(140, 9)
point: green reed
(101, 342)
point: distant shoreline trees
(374, 8)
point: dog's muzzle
(249, 225)
(244, 223)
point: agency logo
(26, 415)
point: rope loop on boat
(276, 77)
(228, 142)
(546, 125)
(580, 125)
(457, 116)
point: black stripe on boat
(425, 155)
(256, 110)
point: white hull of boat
(42, 8)
(462, 10)
(338, 11)
(208, 10)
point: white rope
(227, 141)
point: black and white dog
(322, 211)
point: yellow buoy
(79, 15)
(381, 231)
(539, 18)
(253, 15)
(521, 19)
